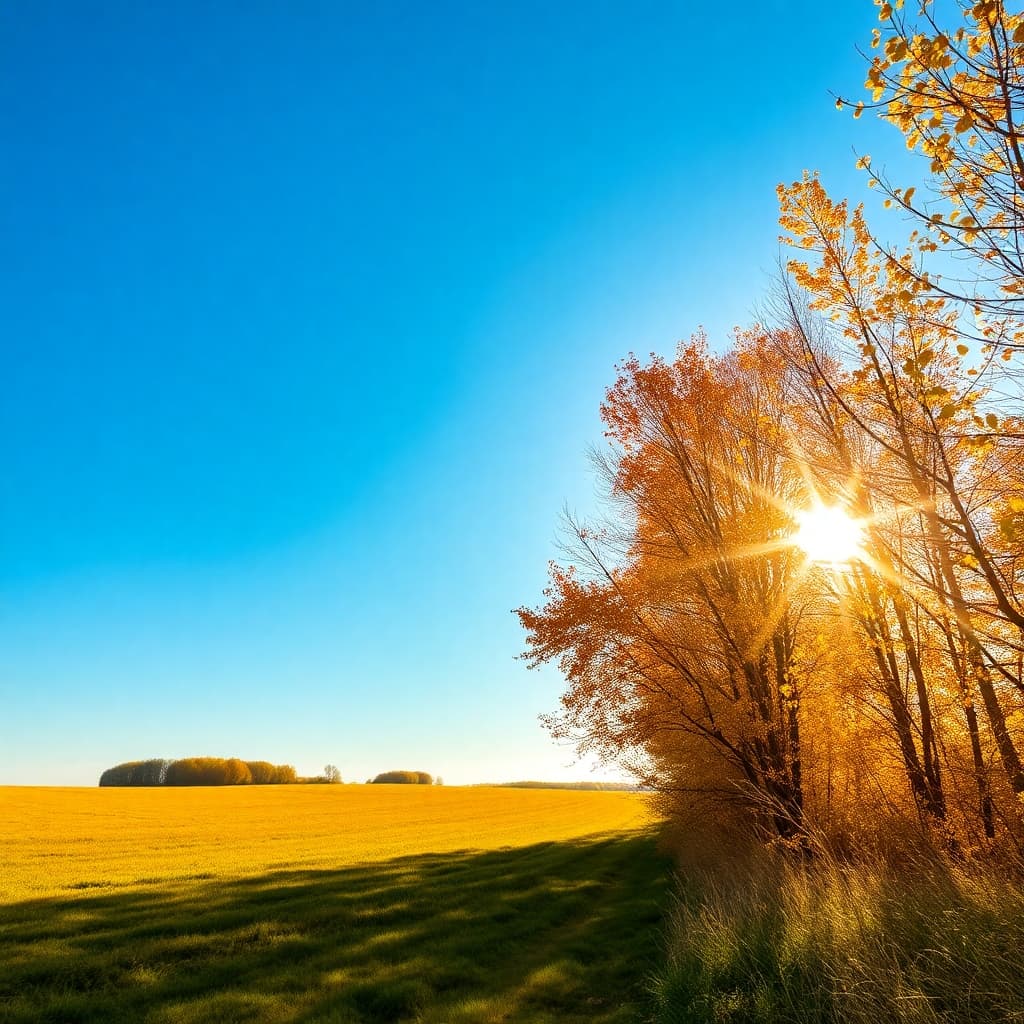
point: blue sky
(307, 313)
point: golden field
(327, 905)
(59, 841)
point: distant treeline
(412, 778)
(200, 771)
(616, 787)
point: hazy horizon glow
(309, 311)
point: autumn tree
(832, 404)
(919, 381)
(404, 777)
(197, 771)
(208, 771)
(136, 773)
(284, 774)
(679, 627)
(701, 638)
(261, 772)
(956, 93)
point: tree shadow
(564, 931)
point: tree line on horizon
(208, 771)
(232, 771)
(814, 703)
(405, 777)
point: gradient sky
(307, 311)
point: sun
(829, 535)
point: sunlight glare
(829, 535)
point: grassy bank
(767, 941)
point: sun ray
(829, 535)
(780, 607)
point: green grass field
(567, 930)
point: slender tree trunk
(971, 716)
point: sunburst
(829, 535)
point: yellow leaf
(962, 349)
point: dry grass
(56, 841)
(765, 941)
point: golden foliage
(957, 97)
(695, 642)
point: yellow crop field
(61, 841)
(327, 905)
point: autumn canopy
(803, 612)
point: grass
(767, 942)
(565, 929)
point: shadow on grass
(563, 932)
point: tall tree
(677, 628)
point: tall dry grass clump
(761, 936)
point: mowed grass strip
(562, 930)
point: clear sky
(307, 310)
